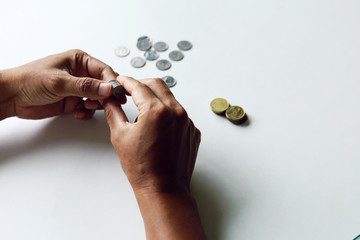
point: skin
(157, 152)
(55, 85)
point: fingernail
(104, 89)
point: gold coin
(219, 105)
(236, 114)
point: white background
(291, 173)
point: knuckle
(76, 52)
(154, 81)
(77, 55)
(105, 70)
(158, 80)
(161, 110)
(181, 112)
(85, 85)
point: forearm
(8, 92)
(170, 216)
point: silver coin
(176, 55)
(170, 81)
(161, 46)
(184, 45)
(144, 43)
(163, 64)
(137, 62)
(122, 51)
(151, 55)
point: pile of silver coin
(151, 53)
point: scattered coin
(118, 90)
(219, 105)
(161, 46)
(122, 51)
(236, 114)
(170, 81)
(163, 64)
(137, 62)
(176, 55)
(151, 55)
(144, 43)
(184, 45)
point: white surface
(292, 173)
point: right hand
(158, 151)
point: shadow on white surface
(59, 130)
(216, 206)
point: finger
(140, 93)
(83, 114)
(114, 114)
(92, 105)
(161, 90)
(71, 103)
(85, 65)
(83, 87)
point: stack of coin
(118, 90)
(234, 114)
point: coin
(144, 43)
(163, 64)
(161, 46)
(184, 45)
(236, 114)
(118, 90)
(151, 55)
(176, 55)
(219, 105)
(122, 51)
(137, 62)
(170, 81)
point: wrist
(170, 215)
(8, 93)
(159, 185)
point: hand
(57, 84)
(158, 154)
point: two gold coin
(234, 114)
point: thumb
(88, 87)
(114, 114)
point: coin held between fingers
(118, 90)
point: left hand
(58, 83)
